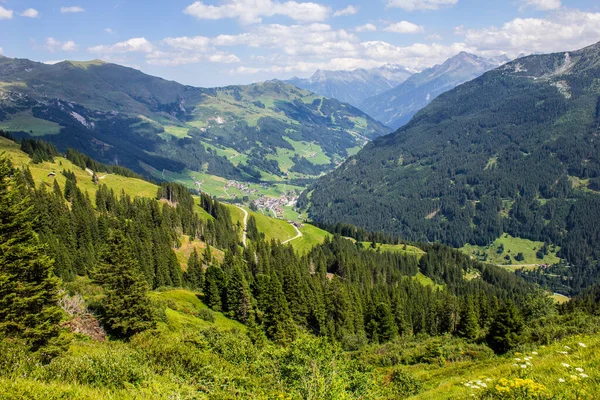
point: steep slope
(396, 106)
(355, 86)
(514, 151)
(149, 124)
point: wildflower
(488, 379)
(515, 365)
(561, 380)
(527, 358)
(582, 344)
(579, 369)
(535, 353)
(523, 366)
(584, 375)
(567, 347)
(566, 365)
(528, 363)
(482, 384)
(517, 359)
(563, 352)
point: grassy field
(512, 246)
(131, 186)
(564, 370)
(26, 122)
(185, 250)
(311, 236)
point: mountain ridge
(396, 106)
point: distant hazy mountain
(355, 86)
(397, 106)
(119, 114)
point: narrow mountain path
(295, 237)
(244, 225)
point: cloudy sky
(220, 42)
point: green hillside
(271, 131)
(514, 152)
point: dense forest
(472, 166)
(342, 299)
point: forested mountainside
(396, 106)
(114, 306)
(353, 87)
(126, 117)
(514, 151)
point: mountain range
(354, 86)
(514, 151)
(396, 106)
(269, 130)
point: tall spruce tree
(126, 308)
(507, 330)
(28, 288)
(194, 275)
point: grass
(182, 308)
(26, 122)
(311, 236)
(427, 281)
(132, 186)
(273, 228)
(184, 251)
(448, 380)
(177, 131)
(512, 247)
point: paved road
(244, 225)
(295, 237)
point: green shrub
(206, 315)
(403, 384)
(108, 367)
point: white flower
(566, 365)
(483, 385)
(584, 375)
(528, 363)
(515, 365)
(488, 379)
(582, 345)
(563, 352)
(561, 380)
(567, 347)
(527, 358)
(535, 353)
(523, 366)
(517, 359)
(579, 369)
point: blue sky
(220, 42)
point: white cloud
(133, 45)
(350, 10)
(366, 28)
(414, 5)
(403, 27)
(543, 5)
(560, 31)
(251, 11)
(52, 62)
(5, 14)
(181, 58)
(53, 45)
(434, 36)
(72, 9)
(0, 50)
(188, 43)
(110, 31)
(30, 13)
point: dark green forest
(514, 151)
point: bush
(206, 315)
(112, 367)
(403, 384)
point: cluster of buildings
(276, 204)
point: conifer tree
(28, 288)
(194, 275)
(468, 326)
(386, 327)
(126, 308)
(507, 329)
(279, 325)
(213, 280)
(239, 299)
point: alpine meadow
(396, 199)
